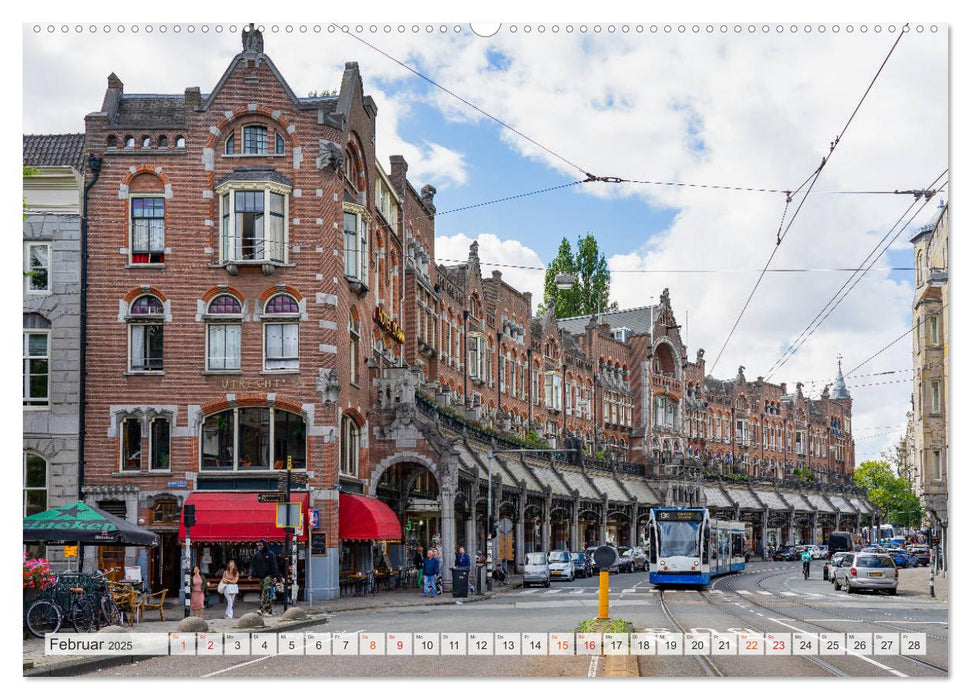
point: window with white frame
(37, 267)
(223, 334)
(37, 378)
(350, 446)
(554, 390)
(35, 484)
(477, 357)
(147, 230)
(281, 331)
(146, 317)
(356, 220)
(254, 223)
(354, 333)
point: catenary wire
(890, 344)
(810, 329)
(812, 181)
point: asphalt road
(769, 597)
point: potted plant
(37, 576)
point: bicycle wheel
(43, 617)
(84, 614)
(110, 614)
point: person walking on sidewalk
(263, 566)
(197, 601)
(430, 572)
(418, 561)
(230, 586)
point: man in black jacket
(263, 566)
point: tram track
(776, 611)
(707, 665)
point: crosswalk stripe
(766, 592)
(743, 592)
(788, 593)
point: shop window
(350, 446)
(159, 440)
(223, 338)
(147, 230)
(35, 484)
(131, 444)
(253, 438)
(281, 333)
(145, 334)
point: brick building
(262, 293)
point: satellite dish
(605, 556)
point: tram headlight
(695, 562)
(662, 562)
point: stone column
(603, 523)
(547, 528)
(765, 531)
(633, 527)
(575, 527)
(792, 526)
(812, 527)
(519, 555)
(447, 497)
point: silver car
(638, 558)
(536, 570)
(866, 571)
(561, 565)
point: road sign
(315, 518)
(605, 556)
(271, 498)
(295, 513)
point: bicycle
(62, 602)
(108, 609)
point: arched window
(281, 333)
(131, 444)
(163, 142)
(158, 437)
(280, 146)
(147, 221)
(354, 332)
(231, 145)
(35, 484)
(146, 141)
(253, 438)
(165, 512)
(145, 330)
(223, 334)
(254, 140)
(112, 142)
(129, 141)
(350, 446)
(180, 141)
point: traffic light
(493, 533)
(189, 515)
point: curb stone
(73, 668)
(621, 667)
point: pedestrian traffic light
(493, 533)
(189, 515)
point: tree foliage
(590, 293)
(890, 493)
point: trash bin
(460, 583)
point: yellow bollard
(603, 612)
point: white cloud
(510, 257)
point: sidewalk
(915, 582)
(33, 651)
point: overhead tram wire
(889, 345)
(812, 179)
(542, 268)
(876, 253)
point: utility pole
(188, 519)
(291, 560)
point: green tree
(890, 493)
(590, 293)
(322, 93)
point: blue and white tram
(688, 547)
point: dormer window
(254, 140)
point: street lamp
(564, 280)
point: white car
(561, 565)
(816, 551)
(536, 570)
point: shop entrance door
(112, 557)
(168, 573)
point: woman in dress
(197, 601)
(231, 589)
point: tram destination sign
(690, 515)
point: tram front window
(678, 539)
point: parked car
(536, 570)
(613, 569)
(824, 548)
(638, 558)
(782, 554)
(922, 554)
(625, 564)
(561, 565)
(815, 551)
(795, 553)
(866, 571)
(582, 565)
(902, 558)
(833, 562)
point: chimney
(113, 95)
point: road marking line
(788, 593)
(253, 661)
(894, 671)
(765, 592)
(743, 592)
(594, 663)
(628, 590)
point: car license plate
(876, 574)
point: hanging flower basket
(37, 576)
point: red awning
(239, 517)
(363, 518)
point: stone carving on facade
(428, 197)
(331, 156)
(328, 385)
(252, 39)
(666, 298)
